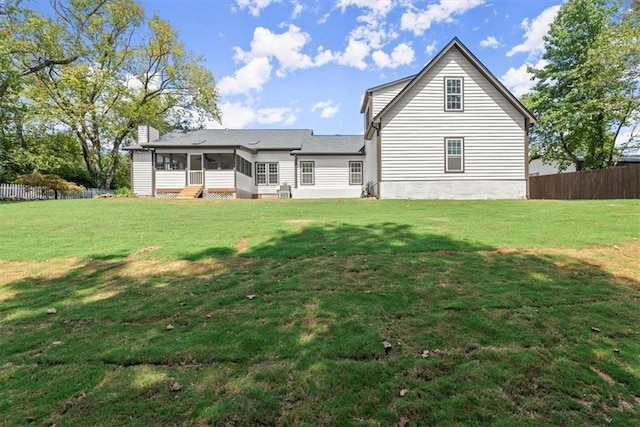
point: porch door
(195, 169)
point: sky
(306, 64)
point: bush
(124, 192)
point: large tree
(588, 91)
(130, 69)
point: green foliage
(130, 70)
(588, 91)
(124, 192)
(52, 182)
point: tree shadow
(291, 330)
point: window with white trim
(454, 155)
(453, 88)
(266, 174)
(307, 173)
(355, 173)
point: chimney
(147, 133)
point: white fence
(26, 192)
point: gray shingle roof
(301, 141)
(332, 144)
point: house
(227, 164)
(537, 167)
(452, 131)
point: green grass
(503, 295)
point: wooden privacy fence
(27, 192)
(621, 182)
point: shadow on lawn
(501, 326)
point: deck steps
(190, 192)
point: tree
(588, 90)
(129, 70)
(51, 182)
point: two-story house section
(452, 131)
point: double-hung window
(453, 88)
(454, 155)
(355, 173)
(307, 173)
(266, 173)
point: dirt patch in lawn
(242, 245)
(608, 378)
(300, 224)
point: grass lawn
(498, 312)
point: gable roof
(455, 43)
(380, 87)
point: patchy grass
(529, 312)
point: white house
(452, 131)
(223, 164)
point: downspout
(379, 157)
(153, 172)
(527, 125)
(295, 171)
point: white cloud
(238, 115)
(402, 54)
(297, 10)
(431, 47)
(443, 11)
(328, 109)
(491, 42)
(324, 18)
(285, 47)
(534, 32)
(252, 76)
(519, 80)
(377, 7)
(255, 6)
(266, 46)
(323, 57)
(354, 55)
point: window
(171, 161)
(454, 155)
(453, 94)
(218, 161)
(243, 166)
(355, 173)
(266, 173)
(307, 173)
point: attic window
(453, 88)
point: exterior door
(195, 169)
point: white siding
(219, 178)
(414, 129)
(384, 96)
(285, 170)
(170, 179)
(331, 178)
(244, 186)
(142, 170)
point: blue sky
(306, 64)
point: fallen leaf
(425, 354)
(208, 316)
(403, 422)
(51, 311)
(57, 342)
(387, 346)
(170, 327)
(182, 304)
(594, 329)
(176, 386)
(403, 392)
(251, 296)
